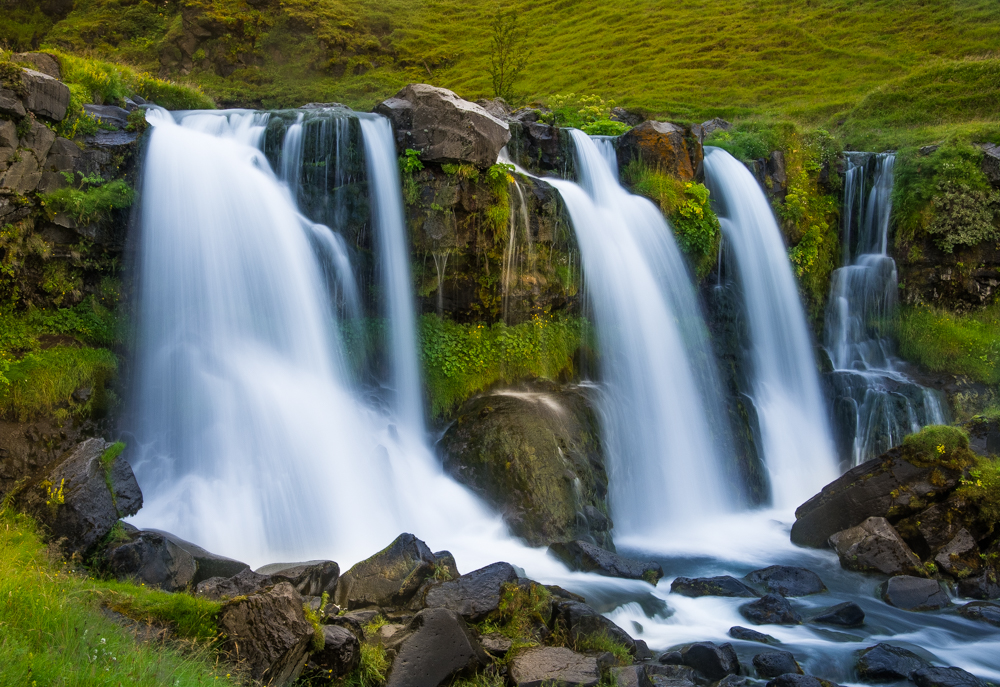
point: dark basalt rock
(983, 611)
(847, 614)
(311, 578)
(109, 115)
(340, 655)
(888, 663)
(738, 681)
(474, 595)
(242, 584)
(581, 555)
(545, 665)
(946, 677)
(630, 676)
(985, 586)
(776, 663)
(150, 558)
(787, 581)
(671, 658)
(960, 557)
(580, 619)
(875, 546)
(770, 610)
(796, 680)
(496, 644)
(914, 593)
(724, 585)
(209, 564)
(389, 578)
(435, 645)
(670, 675)
(711, 660)
(748, 635)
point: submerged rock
(946, 677)
(748, 635)
(771, 609)
(389, 578)
(586, 557)
(775, 663)
(473, 595)
(875, 546)
(724, 585)
(434, 646)
(983, 611)
(847, 614)
(787, 581)
(547, 665)
(914, 593)
(888, 663)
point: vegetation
(508, 51)
(939, 445)
(964, 344)
(982, 490)
(602, 642)
(520, 611)
(91, 199)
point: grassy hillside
(811, 61)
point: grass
(943, 445)
(52, 630)
(982, 489)
(956, 343)
(601, 642)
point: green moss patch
(953, 343)
(43, 382)
(939, 445)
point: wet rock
(586, 557)
(660, 145)
(445, 563)
(209, 564)
(960, 557)
(496, 644)
(473, 595)
(630, 676)
(875, 546)
(267, 634)
(934, 528)
(771, 609)
(983, 611)
(671, 658)
(152, 559)
(46, 97)
(738, 681)
(670, 675)
(711, 660)
(109, 115)
(444, 127)
(847, 614)
(74, 500)
(341, 653)
(545, 665)
(797, 680)
(724, 585)
(243, 583)
(311, 578)
(40, 62)
(787, 581)
(435, 645)
(748, 635)
(914, 593)
(775, 663)
(581, 620)
(946, 677)
(888, 663)
(984, 586)
(389, 578)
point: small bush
(962, 344)
(605, 127)
(91, 200)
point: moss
(372, 669)
(89, 201)
(953, 343)
(43, 382)
(942, 445)
(982, 490)
(313, 618)
(522, 609)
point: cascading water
(875, 403)
(797, 445)
(660, 425)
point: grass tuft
(956, 343)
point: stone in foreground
(389, 578)
(888, 663)
(150, 558)
(587, 557)
(775, 663)
(433, 647)
(630, 676)
(581, 620)
(711, 660)
(543, 666)
(875, 546)
(748, 635)
(475, 594)
(847, 614)
(770, 610)
(209, 564)
(340, 655)
(787, 580)
(914, 593)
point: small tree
(508, 51)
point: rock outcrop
(475, 594)
(554, 665)
(389, 578)
(587, 557)
(875, 546)
(433, 647)
(662, 146)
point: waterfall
(606, 146)
(875, 403)
(660, 425)
(797, 445)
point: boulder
(74, 500)
(443, 127)
(209, 564)
(737, 681)
(669, 675)
(946, 677)
(446, 564)
(660, 145)
(913, 593)
(473, 595)
(771, 609)
(496, 644)
(847, 614)
(991, 165)
(586, 557)
(775, 663)
(724, 585)
(434, 646)
(152, 559)
(242, 584)
(935, 527)
(40, 62)
(267, 634)
(389, 578)
(630, 676)
(10, 103)
(671, 658)
(46, 97)
(747, 635)
(620, 114)
(38, 139)
(984, 586)
(581, 620)
(888, 663)
(960, 557)
(787, 581)
(875, 546)
(109, 115)
(341, 653)
(888, 485)
(711, 126)
(711, 660)
(983, 611)
(546, 665)
(797, 680)
(311, 578)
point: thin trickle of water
(291, 156)
(440, 265)
(797, 446)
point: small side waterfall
(798, 448)
(661, 428)
(875, 403)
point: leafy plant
(508, 50)
(605, 127)
(91, 199)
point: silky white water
(797, 445)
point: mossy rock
(941, 445)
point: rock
(642, 652)
(724, 585)
(340, 655)
(38, 140)
(960, 557)
(581, 620)
(736, 681)
(586, 557)
(776, 180)
(847, 614)
(748, 635)
(711, 660)
(474, 595)
(445, 562)
(242, 584)
(775, 663)
(267, 634)
(983, 611)
(534, 454)
(797, 680)
(630, 676)
(771, 609)
(110, 115)
(389, 578)
(660, 145)
(787, 581)
(946, 677)
(672, 675)
(496, 107)
(311, 578)
(152, 559)
(913, 593)
(88, 508)
(444, 127)
(991, 162)
(985, 586)
(872, 489)
(935, 527)
(22, 175)
(620, 114)
(545, 665)
(888, 663)
(10, 103)
(40, 61)
(209, 564)
(875, 546)
(47, 97)
(711, 126)
(496, 644)
(434, 646)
